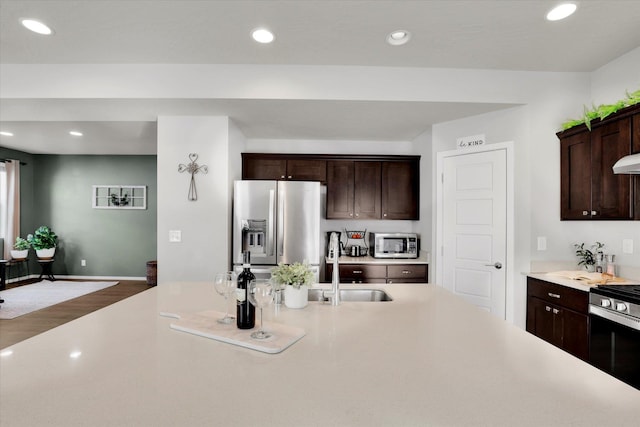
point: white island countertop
(426, 358)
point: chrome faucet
(334, 247)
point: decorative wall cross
(193, 169)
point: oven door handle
(615, 317)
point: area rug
(28, 298)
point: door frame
(437, 248)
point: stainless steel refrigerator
(277, 221)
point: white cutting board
(205, 324)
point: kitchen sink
(357, 295)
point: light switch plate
(627, 246)
(175, 236)
(542, 243)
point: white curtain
(10, 205)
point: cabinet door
(367, 195)
(400, 190)
(575, 171)
(542, 321)
(575, 333)
(635, 132)
(256, 167)
(307, 170)
(340, 189)
(611, 194)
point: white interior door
(474, 227)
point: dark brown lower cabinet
(381, 273)
(559, 315)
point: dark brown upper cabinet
(279, 167)
(589, 189)
(400, 190)
(358, 186)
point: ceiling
(473, 34)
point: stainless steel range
(614, 319)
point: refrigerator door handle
(280, 234)
(271, 232)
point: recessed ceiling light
(75, 354)
(262, 35)
(561, 11)
(37, 26)
(398, 37)
(4, 133)
(75, 133)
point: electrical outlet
(627, 246)
(83, 262)
(175, 236)
(542, 243)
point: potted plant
(296, 278)
(20, 249)
(587, 256)
(43, 240)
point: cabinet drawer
(363, 271)
(407, 271)
(560, 295)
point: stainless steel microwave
(393, 245)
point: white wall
(205, 223)
(610, 82)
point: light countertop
(571, 283)
(422, 259)
(426, 358)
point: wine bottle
(246, 312)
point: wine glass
(225, 284)
(261, 293)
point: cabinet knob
(384, 214)
(585, 213)
(594, 213)
(289, 177)
(556, 311)
(546, 307)
(357, 271)
(406, 271)
(281, 176)
(552, 295)
(357, 215)
(350, 214)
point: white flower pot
(20, 255)
(46, 253)
(296, 298)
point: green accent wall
(57, 192)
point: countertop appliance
(278, 222)
(614, 319)
(393, 245)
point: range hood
(628, 164)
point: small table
(46, 265)
(6, 264)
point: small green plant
(588, 256)
(43, 238)
(296, 274)
(21, 244)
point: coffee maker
(340, 246)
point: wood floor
(26, 326)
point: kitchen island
(425, 358)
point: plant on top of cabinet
(603, 111)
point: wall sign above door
(470, 141)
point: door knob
(497, 265)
